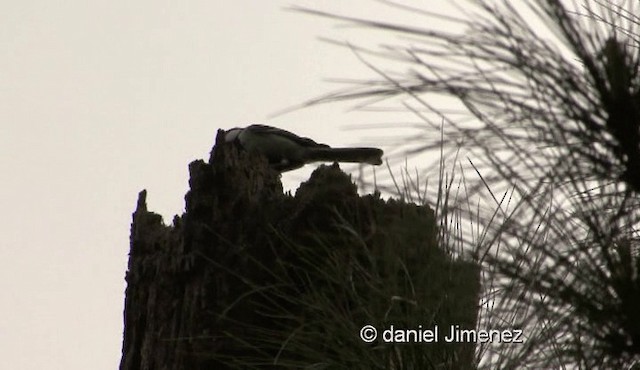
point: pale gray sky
(99, 100)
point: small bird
(287, 151)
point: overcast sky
(99, 100)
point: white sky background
(99, 100)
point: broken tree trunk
(249, 277)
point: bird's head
(231, 135)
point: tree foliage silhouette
(553, 93)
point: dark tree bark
(251, 277)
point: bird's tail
(354, 155)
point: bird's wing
(269, 130)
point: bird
(287, 151)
